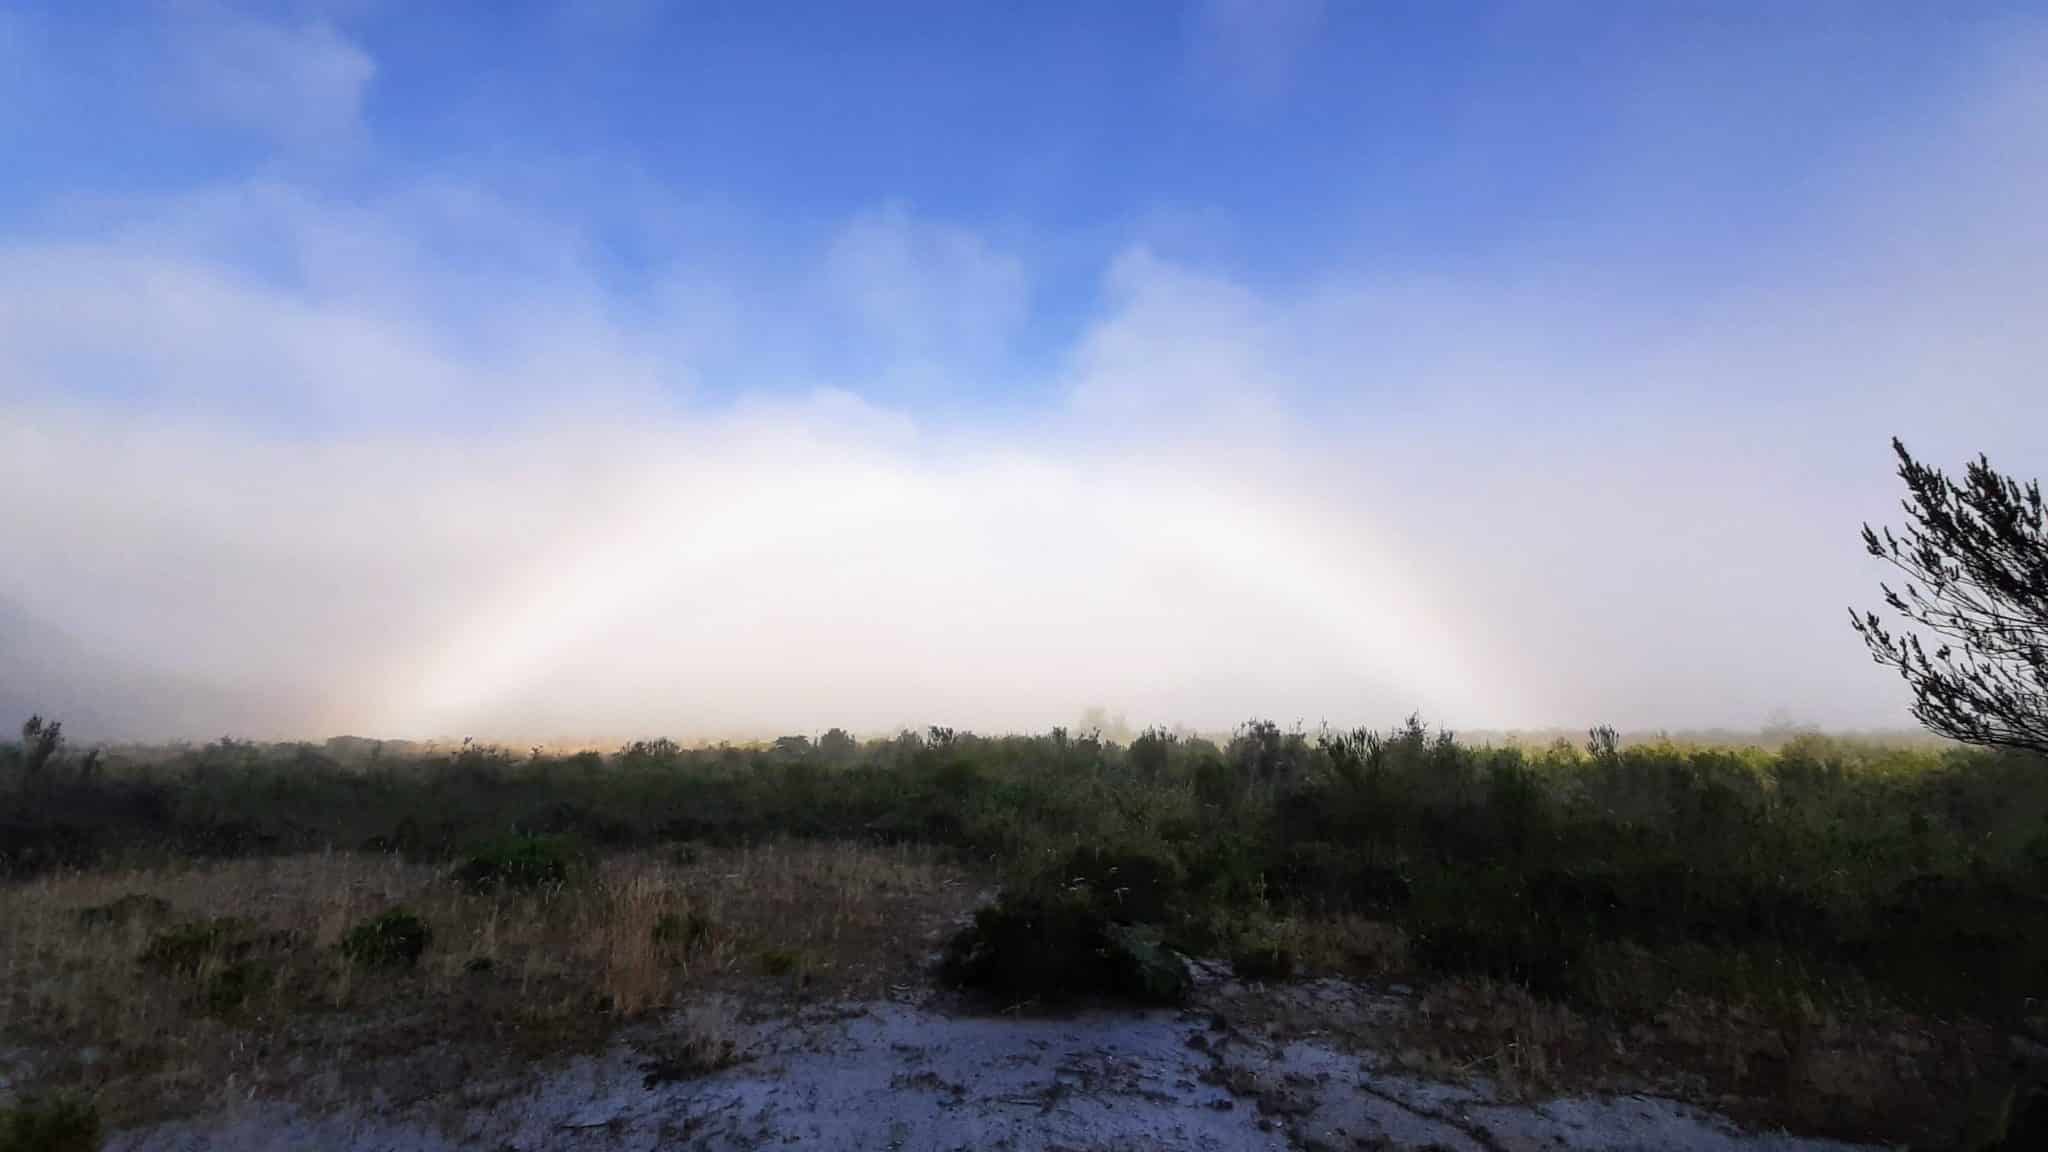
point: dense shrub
(395, 938)
(1058, 946)
(1130, 885)
(519, 863)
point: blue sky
(1391, 291)
(1670, 142)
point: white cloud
(925, 304)
(621, 565)
(436, 306)
(300, 84)
(411, 468)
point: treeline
(1596, 872)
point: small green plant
(518, 863)
(392, 939)
(59, 1125)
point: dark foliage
(1818, 865)
(1975, 559)
(395, 938)
(519, 863)
(1057, 946)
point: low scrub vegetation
(1811, 881)
(1914, 873)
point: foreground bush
(1056, 947)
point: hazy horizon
(601, 371)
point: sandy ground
(919, 1074)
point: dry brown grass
(1353, 946)
(507, 974)
(1883, 1075)
(683, 937)
(1877, 1073)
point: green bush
(1057, 947)
(393, 939)
(59, 1125)
(1142, 967)
(1129, 885)
(518, 863)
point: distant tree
(41, 743)
(651, 753)
(837, 745)
(1975, 558)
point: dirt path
(910, 1076)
